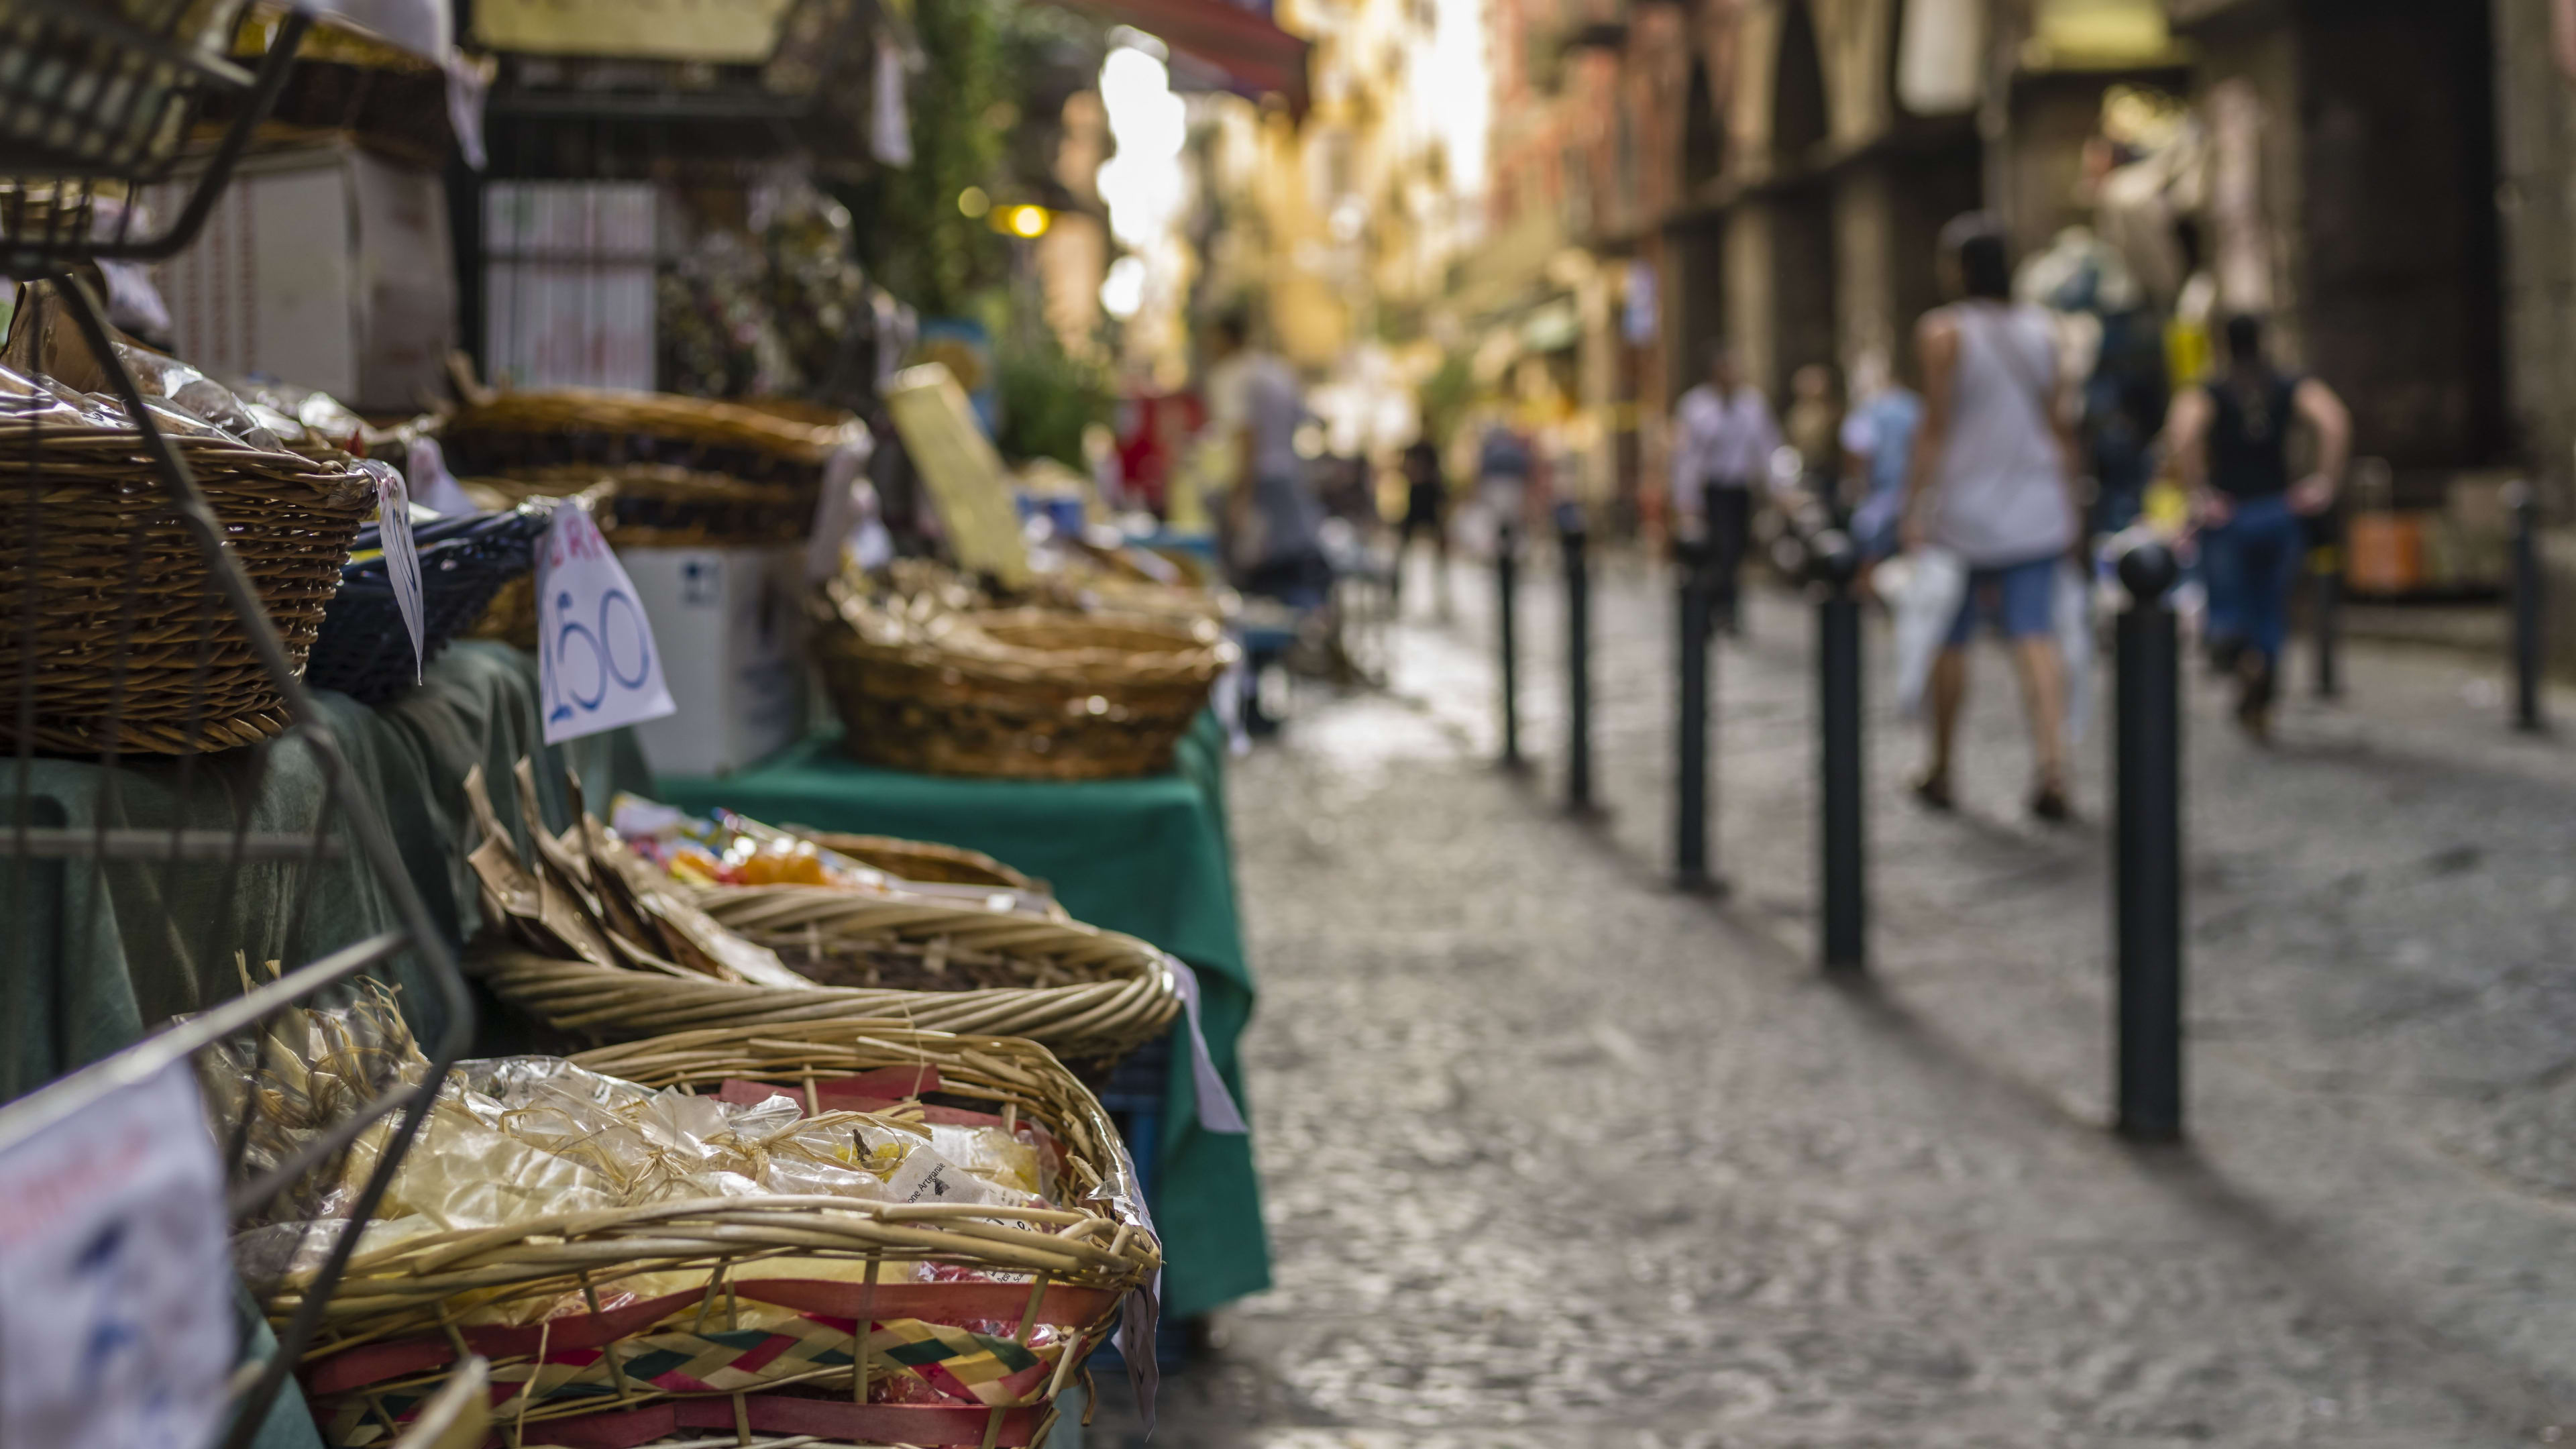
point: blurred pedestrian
(1723, 438)
(1878, 450)
(1272, 521)
(1814, 420)
(2230, 440)
(1992, 483)
(1506, 463)
(1426, 510)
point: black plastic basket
(364, 651)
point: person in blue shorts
(1991, 483)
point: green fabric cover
(1148, 857)
(91, 957)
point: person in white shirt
(1723, 438)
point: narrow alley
(1555, 1156)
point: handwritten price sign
(594, 647)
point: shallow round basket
(132, 647)
(922, 860)
(1032, 694)
(1088, 995)
(365, 652)
(766, 1315)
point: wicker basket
(517, 432)
(128, 624)
(922, 860)
(365, 652)
(1028, 694)
(1090, 996)
(740, 1348)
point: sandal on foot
(1933, 793)
(2049, 803)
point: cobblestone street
(1556, 1157)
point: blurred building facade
(2391, 182)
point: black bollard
(1578, 658)
(1506, 585)
(2527, 600)
(2147, 849)
(1690, 846)
(2325, 563)
(1844, 941)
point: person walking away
(1272, 520)
(1505, 464)
(2229, 438)
(1426, 510)
(1878, 449)
(1992, 482)
(1813, 425)
(1723, 438)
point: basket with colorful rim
(592, 937)
(944, 1302)
(1011, 693)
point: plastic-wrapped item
(734, 849)
(307, 1072)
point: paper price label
(595, 649)
(115, 1288)
(425, 467)
(402, 555)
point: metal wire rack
(146, 833)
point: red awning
(1259, 57)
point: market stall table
(83, 967)
(1146, 856)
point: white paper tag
(1217, 1109)
(402, 555)
(925, 1176)
(594, 646)
(465, 90)
(432, 486)
(847, 504)
(115, 1290)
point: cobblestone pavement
(1556, 1157)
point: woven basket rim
(612, 410)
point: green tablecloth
(1148, 857)
(88, 959)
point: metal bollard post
(2147, 849)
(1844, 940)
(1506, 585)
(2326, 564)
(2527, 600)
(1690, 847)
(1570, 536)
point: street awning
(1256, 57)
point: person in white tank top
(1992, 483)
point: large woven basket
(1090, 996)
(717, 1355)
(1032, 694)
(132, 647)
(519, 431)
